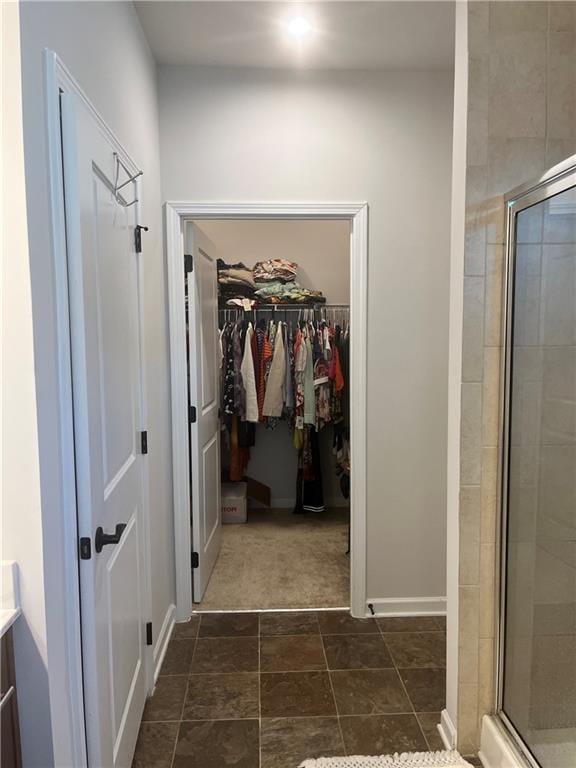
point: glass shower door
(538, 632)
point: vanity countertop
(9, 597)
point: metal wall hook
(131, 177)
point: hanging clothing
(239, 393)
(272, 373)
(264, 355)
(274, 399)
(308, 377)
(288, 380)
(249, 378)
(228, 373)
(309, 491)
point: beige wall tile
(473, 329)
(491, 384)
(487, 597)
(486, 678)
(470, 460)
(513, 161)
(509, 17)
(469, 606)
(517, 102)
(558, 150)
(489, 494)
(494, 295)
(495, 214)
(478, 27)
(467, 719)
(469, 562)
(561, 93)
(468, 660)
(562, 16)
(522, 60)
(476, 184)
(475, 248)
(471, 410)
(478, 102)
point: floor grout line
(185, 697)
(333, 694)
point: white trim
(60, 533)
(179, 395)
(338, 502)
(496, 748)
(406, 606)
(161, 645)
(357, 213)
(447, 730)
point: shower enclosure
(537, 638)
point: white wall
(380, 137)
(20, 476)
(103, 46)
(322, 252)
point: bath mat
(449, 759)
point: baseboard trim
(279, 503)
(447, 730)
(407, 606)
(496, 748)
(161, 645)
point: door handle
(102, 539)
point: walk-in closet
(282, 390)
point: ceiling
(346, 35)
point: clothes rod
(285, 307)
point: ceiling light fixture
(299, 27)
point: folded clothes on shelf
(275, 270)
(236, 275)
(288, 293)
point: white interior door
(105, 338)
(202, 283)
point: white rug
(406, 760)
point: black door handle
(101, 538)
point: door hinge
(144, 442)
(85, 548)
(195, 560)
(148, 633)
(138, 237)
(188, 263)
(192, 414)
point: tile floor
(269, 690)
(255, 567)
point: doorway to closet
(269, 349)
(284, 384)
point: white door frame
(176, 215)
(60, 530)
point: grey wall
(384, 138)
(322, 252)
(103, 46)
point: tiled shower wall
(521, 121)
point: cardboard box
(233, 503)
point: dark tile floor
(269, 690)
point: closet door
(204, 404)
(105, 343)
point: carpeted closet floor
(281, 560)
(269, 690)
